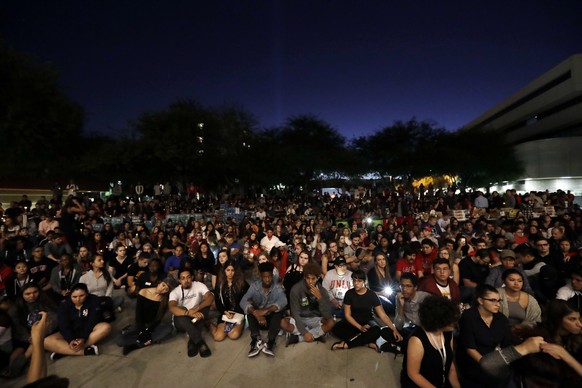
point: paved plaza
(167, 365)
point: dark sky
(358, 65)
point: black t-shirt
(472, 271)
(362, 305)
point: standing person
(67, 222)
(482, 329)
(429, 355)
(264, 304)
(337, 282)
(190, 303)
(310, 307)
(230, 288)
(80, 326)
(358, 328)
(151, 305)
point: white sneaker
(256, 347)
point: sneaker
(256, 346)
(92, 350)
(204, 350)
(56, 356)
(320, 339)
(291, 339)
(192, 349)
(268, 349)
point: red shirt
(403, 266)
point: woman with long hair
(223, 257)
(100, 282)
(30, 301)
(328, 258)
(229, 291)
(380, 282)
(148, 329)
(518, 306)
(80, 326)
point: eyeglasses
(493, 300)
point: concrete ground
(167, 365)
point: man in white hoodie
(337, 282)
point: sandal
(340, 345)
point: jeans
(273, 325)
(194, 330)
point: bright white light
(369, 220)
(388, 291)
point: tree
(406, 149)
(480, 157)
(40, 126)
(189, 141)
(303, 148)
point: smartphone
(33, 317)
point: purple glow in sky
(357, 65)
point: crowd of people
(491, 299)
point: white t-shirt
(189, 297)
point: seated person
(230, 288)
(408, 302)
(359, 328)
(337, 282)
(264, 304)
(409, 263)
(572, 292)
(474, 270)
(136, 270)
(519, 307)
(190, 303)
(80, 326)
(311, 308)
(439, 283)
(64, 276)
(508, 261)
(151, 305)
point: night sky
(359, 65)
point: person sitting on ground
(153, 276)
(190, 304)
(337, 282)
(118, 267)
(429, 355)
(64, 276)
(439, 283)
(100, 282)
(380, 282)
(294, 273)
(136, 270)
(508, 261)
(151, 305)
(311, 318)
(408, 303)
(359, 328)
(518, 306)
(19, 279)
(572, 292)
(80, 326)
(409, 263)
(230, 288)
(264, 304)
(30, 301)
